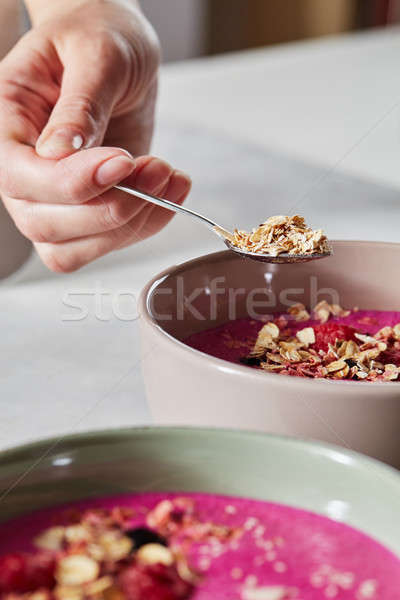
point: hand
(82, 78)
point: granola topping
(325, 341)
(282, 234)
(348, 354)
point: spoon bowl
(280, 259)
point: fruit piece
(155, 582)
(24, 573)
(13, 573)
(328, 333)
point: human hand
(84, 76)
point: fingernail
(114, 170)
(59, 144)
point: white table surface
(291, 112)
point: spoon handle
(176, 208)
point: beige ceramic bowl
(185, 386)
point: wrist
(43, 10)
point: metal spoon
(223, 233)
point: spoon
(223, 233)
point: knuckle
(71, 188)
(116, 213)
(56, 259)
(82, 104)
(106, 47)
(36, 230)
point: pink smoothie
(297, 554)
(234, 340)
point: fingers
(56, 223)
(88, 95)
(73, 254)
(73, 180)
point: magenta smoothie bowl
(175, 514)
(198, 546)
(310, 349)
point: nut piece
(50, 539)
(151, 554)
(76, 533)
(391, 372)
(271, 329)
(306, 336)
(396, 331)
(299, 312)
(115, 547)
(322, 311)
(338, 311)
(76, 569)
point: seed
(142, 536)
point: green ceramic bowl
(325, 479)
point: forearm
(42, 10)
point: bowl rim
(326, 450)
(243, 370)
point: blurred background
(191, 28)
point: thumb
(80, 117)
